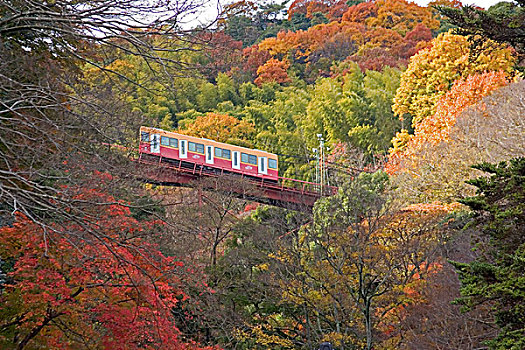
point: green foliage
(497, 278)
(208, 97)
(355, 109)
(348, 271)
(250, 22)
(356, 200)
(246, 295)
(502, 22)
(226, 89)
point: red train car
(209, 153)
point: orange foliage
(273, 71)
(220, 127)
(419, 33)
(306, 42)
(379, 44)
(415, 40)
(385, 47)
(435, 129)
(398, 15)
(298, 6)
(382, 37)
(360, 12)
(309, 7)
(375, 58)
(433, 207)
(434, 69)
(316, 7)
(337, 11)
(401, 16)
(281, 44)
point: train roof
(194, 138)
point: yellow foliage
(400, 141)
(264, 334)
(432, 71)
(262, 267)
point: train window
(222, 153)
(144, 136)
(168, 141)
(248, 158)
(196, 147)
(272, 163)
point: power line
(327, 162)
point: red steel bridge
(286, 193)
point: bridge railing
(283, 183)
(307, 187)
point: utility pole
(321, 160)
(316, 154)
(325, 167)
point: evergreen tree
(497, 277)
(502, 22)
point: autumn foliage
(220, 127)
(433, 71)
(401, 16)
(253, 58)
(357, 266)
(138, 260)
(361, 12)
(436, 128)
(91, 284)
(273, 71)
(377, 34)
(309, 7)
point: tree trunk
(368, 325)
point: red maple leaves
(90, 283)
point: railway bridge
(286, 193)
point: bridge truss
(286, 193)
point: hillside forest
(421, 109)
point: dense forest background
(422, 248)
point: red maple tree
(90, 282)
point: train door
(209, 154)
(236, 160)
(183, 149)
(155, 143)
(263, 165)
